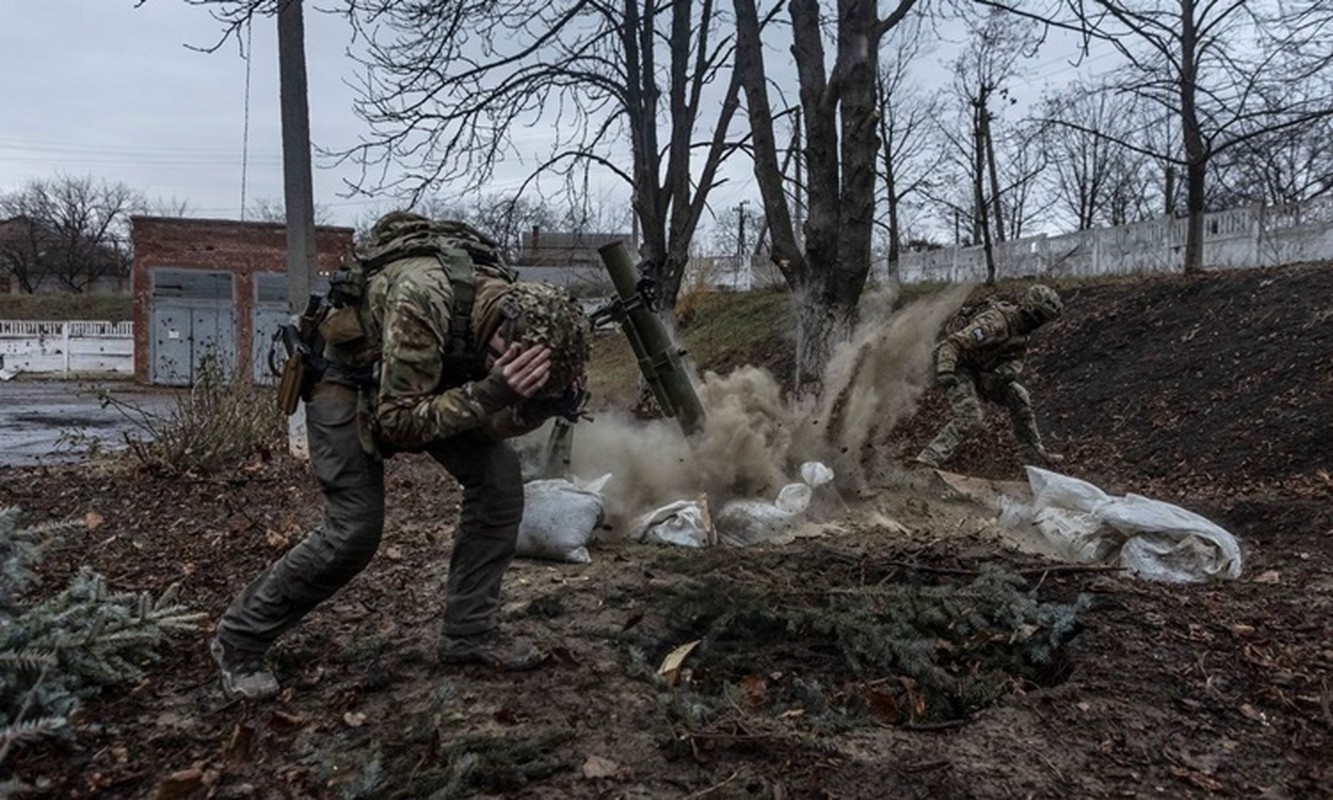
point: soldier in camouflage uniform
(411, 368)
(982, 360)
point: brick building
(212, 288)
(568, 259)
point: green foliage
(456, 767)
(220, 421)
(58, 650)
(955, 647)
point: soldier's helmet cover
(391, 223)
(538, 313)
(1042, 302)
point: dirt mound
(1210, 392)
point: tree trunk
(860, 144)
(994, 172)
(1195, 155)
(978, 177)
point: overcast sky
(98, 87)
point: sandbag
(559, 517)
(1150, 538)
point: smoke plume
(754, 436)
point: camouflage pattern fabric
(405, 321)
(402, 234)
(986, 357)
(536, 313)
(407, 313)
(966, 415)
(994, 340)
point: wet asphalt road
(44, 422)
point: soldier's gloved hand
(946, 380)
(516, 375)
(568, 405)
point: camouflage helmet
(1042, 302)
(532, 313)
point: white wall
(66, 348)
(1255, 236)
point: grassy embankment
(96, 307)
(721, 331)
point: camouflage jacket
(994, 341)
(422, 395)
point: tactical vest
(459, 249)
(967, 313)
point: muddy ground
(1213, 393)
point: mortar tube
(660, 362)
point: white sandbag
(1150, 538)
(559, 518)
(794, 498)
(815, 474)
(742, 523)
(684, 523)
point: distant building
(567, 259)
(208, 288)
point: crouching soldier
(982, 359)
(430, 345)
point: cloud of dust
(742, 450)
(754, 437)
(875, 379)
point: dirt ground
(1213, 393)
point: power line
(245, 133)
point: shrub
(221, 420)
(56, 651)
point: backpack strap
(463, 280)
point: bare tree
(73, 230)
(1222, 69)
(453, 88)
(912, 154)
(1278, 167)
(982, 74)
(841, 151)
(1095, 180)
(1024, 160)
(737, 231)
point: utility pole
(740, 244)
(298, 192)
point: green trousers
(353, 486)
(965, 404)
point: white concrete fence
(62, 349)
(1254, 236)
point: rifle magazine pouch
(345, 339)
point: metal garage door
(270, 312)
(193, 318)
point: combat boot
(926, 459)
(493, 649)
(244, 676)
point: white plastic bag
(1150, 538)
(559, 517)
